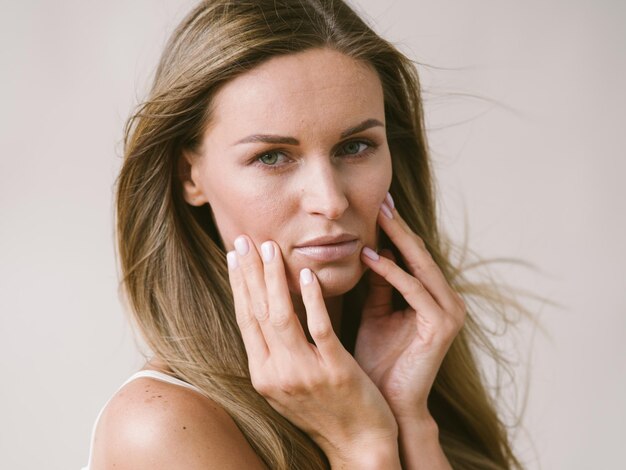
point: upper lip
(328, 240)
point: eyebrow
(279, 139)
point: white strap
(160, 376)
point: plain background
(525, 107)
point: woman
(274, 186)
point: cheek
(245, 208)
(370, 200)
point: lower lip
(330, 252)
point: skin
(362, 409)
(318, 187)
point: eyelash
(370, 147)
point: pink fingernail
(231, 259)
(306, 277)
(385, 210)
(389, 200)
(241, 245)
(268, 251)
(371, 254)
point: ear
(188, 166)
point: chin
(334, 279)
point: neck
(333, 307)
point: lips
(328, 248)
(328, 240)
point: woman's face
(296, 150)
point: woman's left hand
(402, 350)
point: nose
(323, 192)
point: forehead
(321, 88)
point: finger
(419, 261)
(282, 318)
(318, 321)
(251, 333)
(251, 269)
(378, 301)
(413, 291)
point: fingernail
(231, 259)
(306, 277)
(241, 245)
(389, 200)
(371, 254)
(267, 249)
(385, 210)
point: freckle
(160, 396)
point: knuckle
(439, 337)
(417, 285)
(245, 320)
(261, 309)
(419, 241)
(449, 323)
(450, 326)
(262, 386)
(419, 268)
(320, 330)
(430, 339)
(290, 381)
(316, 381)
(290, 385)
(339, 378)
(280, 320)
(429, 261)
(423, 265)
(416, 288)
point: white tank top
(142, 373)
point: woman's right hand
(318, 387)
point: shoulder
(153, 424)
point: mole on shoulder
(184, 427)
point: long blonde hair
(172, 260)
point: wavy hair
(172, 260)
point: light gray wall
(525, 106)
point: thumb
(379, 292)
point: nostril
(322, 193)
(335, 211)
(331, 209)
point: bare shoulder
(153, 424)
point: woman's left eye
(353, 148)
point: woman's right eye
(271, 159)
